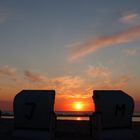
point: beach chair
(34, 116)
(112, 119)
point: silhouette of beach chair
(34, 115)
(112, 119)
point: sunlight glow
(78, 106)
(78, 119)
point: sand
(65, 130)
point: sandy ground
(65, 130)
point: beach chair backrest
(33, 109)
(115, 106)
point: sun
(78, 106)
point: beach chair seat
(34, 116)
(112, 119)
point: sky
(72, 46)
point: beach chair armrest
(96, 125)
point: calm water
(10, 115)
(135, 119)
(73, 113)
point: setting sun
(78, 106)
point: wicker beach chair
(112, 119)
(34, 115)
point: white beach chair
(34, 115)
(112, 119)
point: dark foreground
(65, 130)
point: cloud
(98, 71)
(101, 77)
(122, 82)
(110, 83)
(34, 77)
(66, 85)
(92, 45)
(67, 82)
(130, 17)
(130, 52)
(69, 86)
(8, 71)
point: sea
(136, 115)
(72, 115)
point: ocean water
(136, 117)
(72, 115)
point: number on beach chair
(30, 112)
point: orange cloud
(74, 87)
(100, 77)
(110, 83)
(7, 71)
(92, 45)
(67, 81)
(66, 85)
(69, 86)
(98, 71)
(34, 77)
(123, 81)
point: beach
(65, 130)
